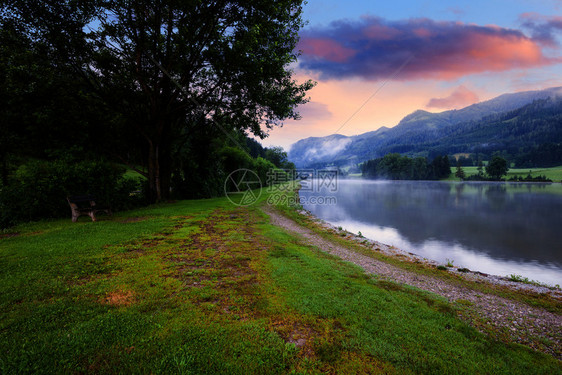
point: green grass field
(205, 287)
(554, 173)
(129, 173)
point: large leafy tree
(167, 67)
(44, 109)
(497, 167)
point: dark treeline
(544, 155)
(36, 187)
(398, 167)
(168, 89)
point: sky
(376, 61)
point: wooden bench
(82, 205)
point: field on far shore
(554, 173)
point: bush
(263, 168)
(38, 189)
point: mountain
(465, 130)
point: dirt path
(520, 322)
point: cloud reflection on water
(494, 228)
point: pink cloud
(375, 48)
(459, 98)
(326, 49)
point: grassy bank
(554, 173)
(207, 287)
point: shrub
(263, 169)
(38, 189)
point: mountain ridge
(417, 128)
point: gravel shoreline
(519, 322)
(473, 275)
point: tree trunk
(159, 170)
(3, 171)
(154, 191)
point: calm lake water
(495, 228)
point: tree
(167, 67)
(480, 168)
(497, 167)
(445, 167)
(459, 172)
(441, 167)
(420, 169)
(277, 156)
(390, 166)
(46, 112)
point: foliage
(278, 157)
(519, 175)
(397, 167)
(526, 280)
(198, 176)
(264, 168)
(497, 167)
(45, 110)
(544, 155)
(459, 173)
(160, 72)
(478, 177)
(514, 133)
(441, 167)
(529, 178)
(233, 158)
(518, 278)
(480, 167)
(39, 189)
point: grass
(204, 287)
(130, 173)
(539, 300)
(554, 173)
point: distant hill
(522, 119)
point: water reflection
(491, 227)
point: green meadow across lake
(554, 173)
(206, 287)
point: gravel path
(520, 322)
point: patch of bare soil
(508, 319)
(135, 219)
(224, 254)
(120, 298)
(219, 255)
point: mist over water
(495, 228)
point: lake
(496, 228)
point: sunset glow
(375, 66)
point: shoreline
(471, 275)
(455, 180)
(512, 277)
(511, 312)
